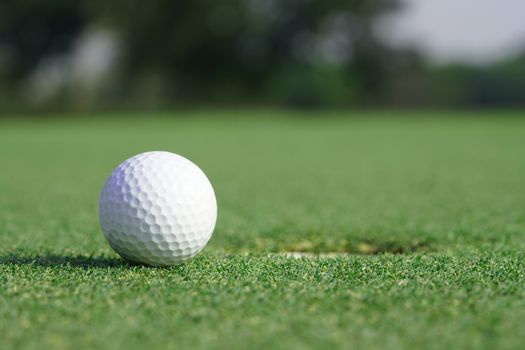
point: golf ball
(157, 208)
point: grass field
(425, 210)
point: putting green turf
(427, 211)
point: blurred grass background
(341, 182)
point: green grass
(426, 209)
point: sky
(476, 31)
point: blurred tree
(500, 85)
(300, 52)
(31, 30)
(199, 47)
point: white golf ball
(158, 208)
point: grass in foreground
(430, 208)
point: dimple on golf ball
(158, 208)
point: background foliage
(291, 52)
